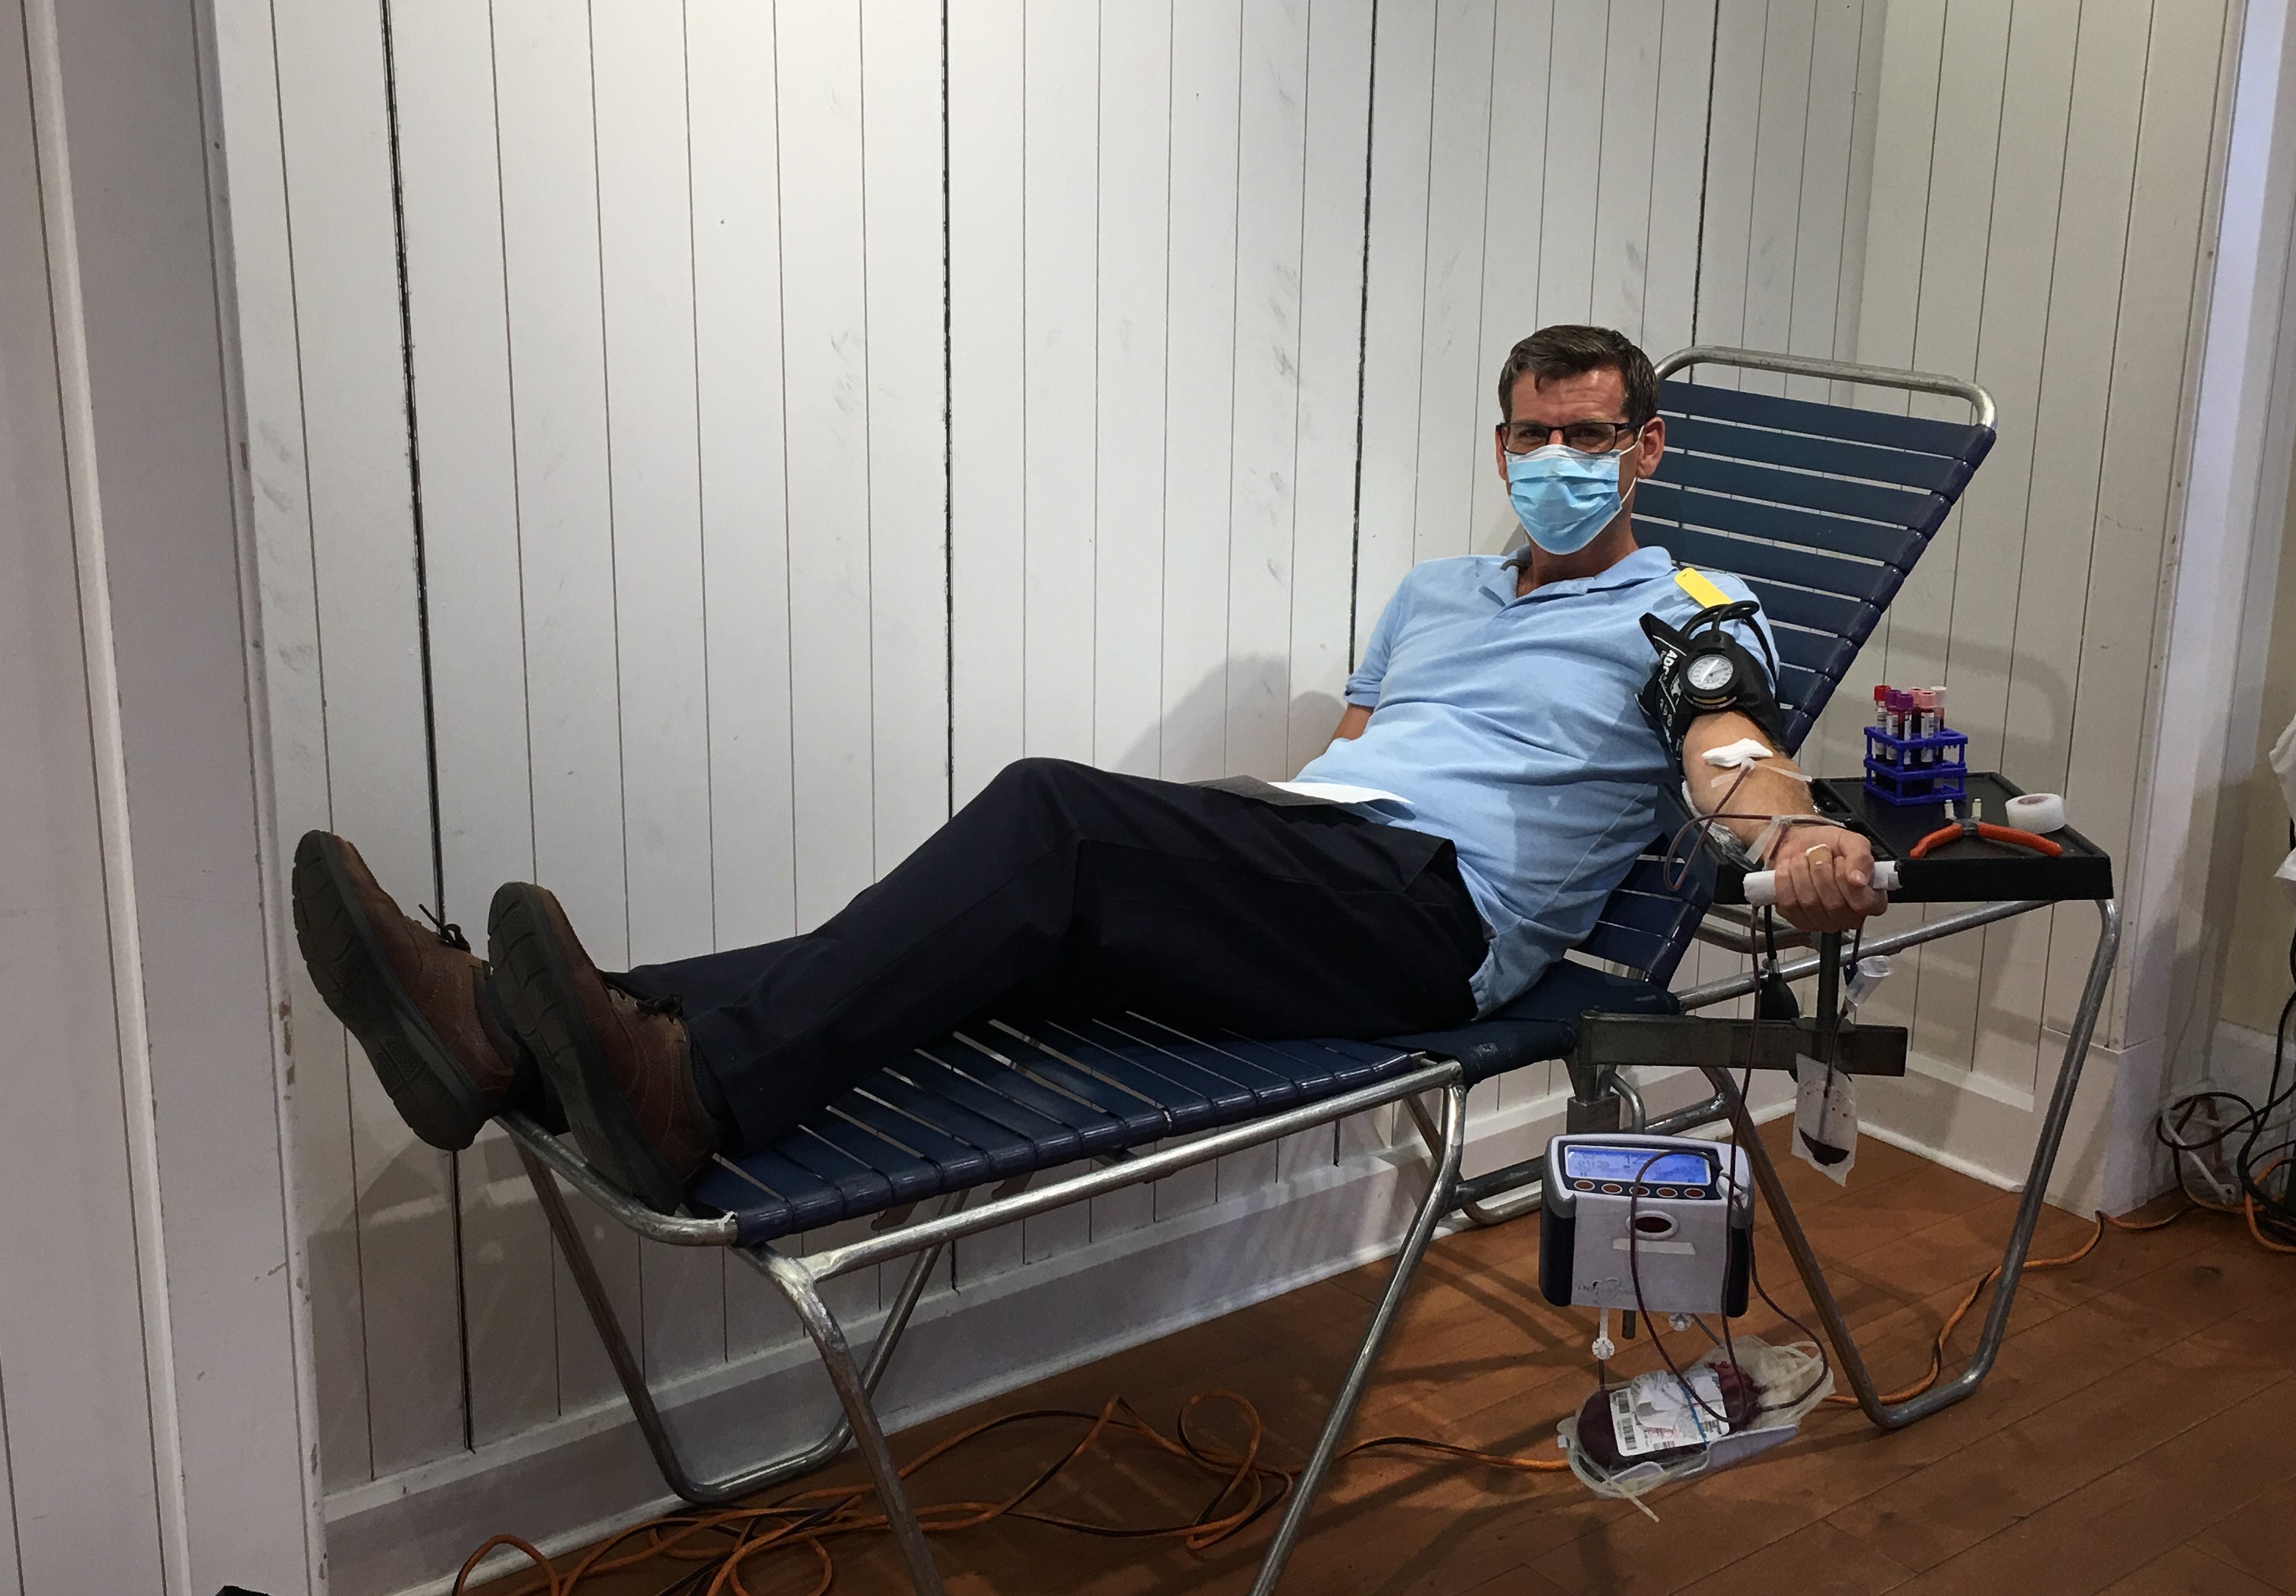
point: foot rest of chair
(1609, 1041)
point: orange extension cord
(2245, 1208)
(715, 1547)
(727, 1539)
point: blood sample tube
(1882, 719)
(1925, 720)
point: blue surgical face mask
(1563, 497)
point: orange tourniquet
(1989, 831)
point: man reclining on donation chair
(1513, 714)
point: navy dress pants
(1063, 891)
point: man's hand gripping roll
(1824, 872)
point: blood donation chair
(1822, 509)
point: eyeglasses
(1588, 438)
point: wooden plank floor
(2138, 1436)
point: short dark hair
(1567, 350)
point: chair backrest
(1820, 509)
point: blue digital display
(1635, 1165)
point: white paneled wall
(640, 354)
(2040, 188)
(84, 1413)
(818, 405)
(1155, 256)
(1153, 489)
(157, 1431)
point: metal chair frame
(799, 1279)
(1599, 1092)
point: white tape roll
(1761, 886)
(2038, 812)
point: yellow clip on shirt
(1700, 586)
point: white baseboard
(2241, 1060)
(1986, 1128)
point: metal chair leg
(1897, 1415)
(797, 1283)
(1452, 1144)
(674, 1472)
(1531, 1173)
(1592, 1105)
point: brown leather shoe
(620, 1065)
(415, 997)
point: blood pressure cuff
(1703, 670)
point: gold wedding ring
(1815, 849)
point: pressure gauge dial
(1710, 676)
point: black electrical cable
(1753, 1253)
(2272, 1213)
(1675, 870)
(2280, 1212)
(1824, 1362)
(1753, 1268)
(1634, 1269)
(1634, 1242)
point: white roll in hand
(2040, 812)
(1761, 886)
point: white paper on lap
(1339, 793)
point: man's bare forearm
(1754, 795)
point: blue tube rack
(1904, 772)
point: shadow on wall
(1240, 719)
(2038, 695)
(1243, 717)
(2004, 972)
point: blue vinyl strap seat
(1820, 509)
(1016, 1097)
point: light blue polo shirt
(1510, 726)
